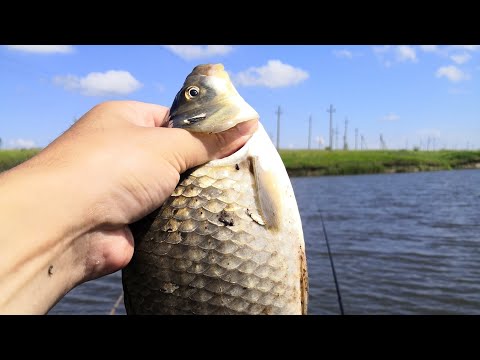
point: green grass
(11, 158)
(320, 162)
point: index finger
(148, 114)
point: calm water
(402, 244)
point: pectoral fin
(268, 195)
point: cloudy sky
(413, 95)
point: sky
(425, 96)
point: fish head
(208, 102)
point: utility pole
(278, 112)
(331, 110)
(363, 143)
(310, 132)
(383, 146)
(356, 139)
(345, 145)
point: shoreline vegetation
(337, 162)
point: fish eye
(192, 91)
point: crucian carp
(229, 239)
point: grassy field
(319, 162)
(11, 158)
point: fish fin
(269, 198)
(303, 281)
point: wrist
(39, 226)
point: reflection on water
(402, 244)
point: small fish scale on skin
(182, 214)
(229, 196)
(223, 234)
(210, 193)
(179, 202)
(214, 206)
(187, 181)
(178, 190)
(224, 184)
(188, 225)
(203, 182)
(200, 214)
(171, 225)
(206, 228)
(208, 243)
(196, 202)
(192, 191)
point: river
(401, 244)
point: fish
(229, 240)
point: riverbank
(320, 162)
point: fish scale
(221, 269)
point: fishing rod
(337, 287)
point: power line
(331, 110)
(278, 112)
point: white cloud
(43, 49)
(461, 58)
(21, 143)
(112, 82)
(467, 47)
(388, 54)
(343, 54)
(405, 53)
(391, 117)
(381, 49)
(274, 74)
(452, 73)
(429, 48)
(191, 52)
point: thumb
(199, 148)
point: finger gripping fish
(229, 239)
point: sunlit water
(401, 243)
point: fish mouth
(184, 120)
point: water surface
(401, 243)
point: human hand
(112, 167)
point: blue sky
(413, 95)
